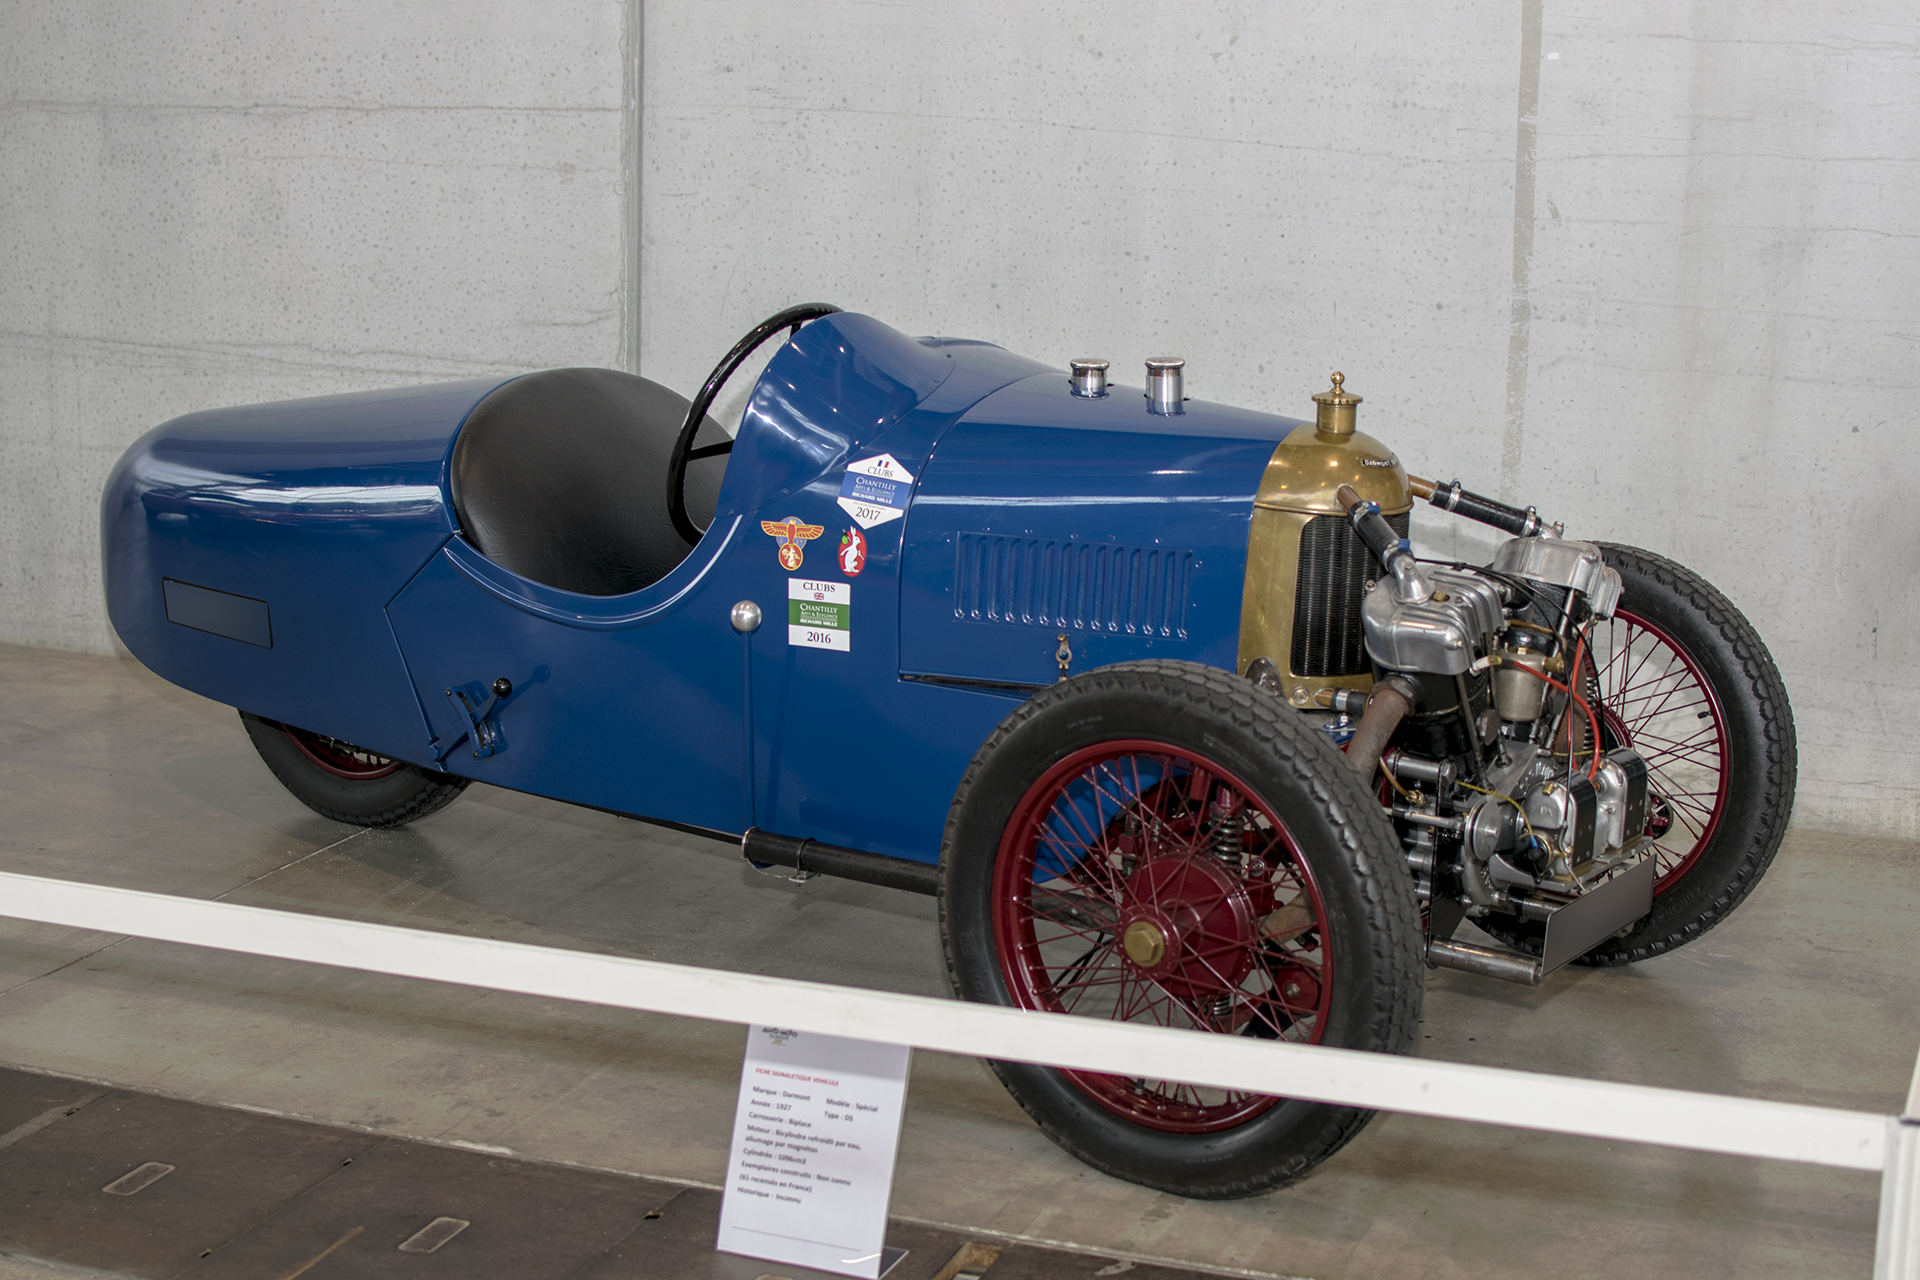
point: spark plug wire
(1573, 674)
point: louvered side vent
(1072, 585)
(1334, 569)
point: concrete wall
(1658, 284)
(207, 203)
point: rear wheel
(347, 783)
(1163, 844)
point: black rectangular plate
(220, 613)
(1594, 917)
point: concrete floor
(112, 776)
(240, 1195)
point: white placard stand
(815, 1134)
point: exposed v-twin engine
(1510, 793)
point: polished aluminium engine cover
(1438, 635)
(1562, 562)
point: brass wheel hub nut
(1146, 945)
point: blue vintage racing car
(1153, 693)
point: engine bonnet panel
(1043, 514)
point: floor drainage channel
(132, 1184)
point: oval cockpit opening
(561, 477)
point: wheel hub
(1145, 943)
(342, 759)
(1298, 989)
(1187, 924)
(1659, 815)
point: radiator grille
(1334, 569)
(1074, 585)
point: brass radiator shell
(1297, 486)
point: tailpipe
(1488, 962)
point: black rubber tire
(1341, 834)
(407, 794)
(1761, 761)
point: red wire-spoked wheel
(1656, 700)
(1140, 882)
(342, 759)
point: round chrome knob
(1089, 379)
(745, 617)
(1165, 380)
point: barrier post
(1896, 1254)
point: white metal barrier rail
(1487, 1095)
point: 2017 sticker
(793, 532)
(853, 551)
(819, 615)
(875, 490)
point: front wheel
(1161, 843)
(338, 780)
(1684, 680)
(1681, 677)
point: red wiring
(1593, 721)
(1593, 764)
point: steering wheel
(683, 451)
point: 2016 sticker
(819, 614)
(853, 551)
(875, 490)
(793, 532)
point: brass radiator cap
(1334, 409)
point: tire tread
(430, 793)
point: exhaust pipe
(1488, 962)
(1392, 698)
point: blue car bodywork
(304, 561)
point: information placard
(815, 1134)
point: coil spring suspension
(1228, 847)
(1228, 844)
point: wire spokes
(1655, 699)
(1141, 887)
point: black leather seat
(561, 477)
